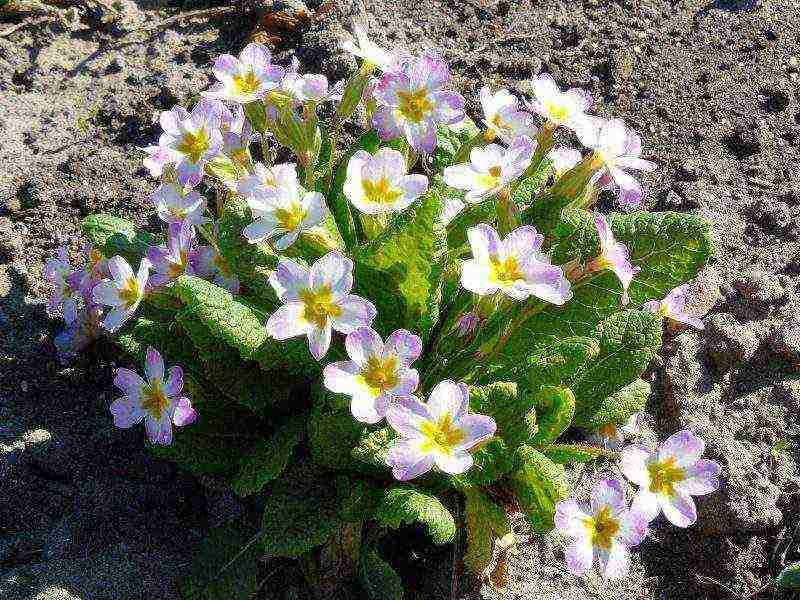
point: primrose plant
(394, 316)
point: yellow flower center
(194, 145)
(415, 106)
(502, 125)
(490, 179)
(381, 192)
(246, 84)
(290, 218)
(664, 476)
(506, 271)
(603, 528)
(381, 374)
(130, 292)
(318, 305)
(154, 400)
(443, 435)
(558, 112)
(608, 431)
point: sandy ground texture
(712, 85)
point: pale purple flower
(283, 215)
(563, 158)
(565, 109)
(376, 373)
(206, 262)
(188, 142)
(438, 433)
(65, 293)
(159, 403)
(602, 532)
(83, 327)
(674, 307)
(515, 266)
(123, 293)
(490, 169)
(247, 78)
(412, 103)
(468, 323)
(503, 117)
(173, 260)
(670, 476)
(612, 436)
(174, 205)
(266, 181)
(372, 54)
(317, 301)
(614, 256)
(311, 87)
(617, 148)
(237, 133)
(379, 183)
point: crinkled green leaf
(492, 462)
(332, 437)
(483, 212)
(528, 187)
(453, 143)
(114, 235)
(510, 408)
(372, 447)
(487, 525)
(789, 577)
(563, 454)
(556, 364)
(377, 578)
(403, 505)
(616, 408)
(555, 409)
(539, 484)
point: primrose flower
(173, 260)
(188, 142)
(674, 307)
(515, 266)
(83, 327)
(605, 530)
(317, 301)
(372, 54)
(503, 118)
(617, 148)
(266, 181)
(247, 78)
(612, 436)
(284, 215)
(670, 476)
(412, 103)
(468, 323)
(65, 295)
(376, 371)
(155, 401)
(237, 133)
(123, 293)
(377, 184)
(563, 159)
(614, 256)
(440, 432)
(311, 87)
(490, 169)
(206, 262)
(173, 205)
(565, 109)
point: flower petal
(340, 377)
(288, 322)
(289, 279)
(646, 504)
(319, 340)
(571, 517)
(633, 461)
(607, 494)
(684, 448)
(407, 461)
(184, 413)
(453, 464)
(633, 527)
(355, 312)
(129, 382)
(616, 562)
(477, 430)
(159, 432)
(334, 270)
(362, 344)
(405, 345)
(174, 384)
(154, 365)
(679, 508)
(579, 554)
(448, 398)
(406, 415)
(701, 478)
(127, 412)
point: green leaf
(555, 409)
(528, 187)
(406, 505)
(483, 212)
(563, 454)
(114, 235)
(377, 578)
(490, 538)
(223, 169)
(511, 409)
(333, 437)
(372, 447)
(492, 462)
(269, 458)
(789, 577)
(556, 365)
(539, 484)
(451, 140)
(395, 270)
(238, 581)
(616, 408)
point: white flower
(247, 78)
(563, 158)
(123, 293)
(566, 109)
(503, 117)
(173, 205)
(265, 181)
(284, 215)
(378, 184)
(367, 50)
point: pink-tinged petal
(286, 240)
(701, 478)
(319, 340)
(406, 415)
(339, 377)
(256, 55)
(106, 293)
(633, 144)
(405, 345)
(477, 430)
(571, 517)
(388, 163)
(355, 312)
(523, 241)
(614, 138)
(679, 508)
(633, 527)
(159, 432)
(689, 320)
(633, 461)
(518, 157)
(581, 97)
(629, 162)
(407, 382)
(476, 278)
(288, 322)
(261, 229)
(190, 174)
(120, 269)
(616, 562)
(184, 413)
(362, 344)
(653, 306)
(225, 66)
(544, 281)
(174, 384)
(453, 464)
(608, 494)
(421, 136)
(407, 461)
(579, 555)
(448, 107)
(365, 409)
(460, 177)
(170, 120)
(487, 157)
(154, 365)
(289, 279)
(684, 448)
(448, 398)
(430, 71)
(485, 243)
(334, 270)
(413, 186)
(544, 87)
(115, 319)
(127, 412)
(564, 158)
(646, 504)
(386, 123)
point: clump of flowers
(372, 335)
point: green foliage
(405, 505)
(539, 484)
(526, 188)
(377, 578)
(453, 143)
(332, 437)
(115, 235)
(563, 454)
(472, 214)
(372, 447)
(511, 409)
(616, 408)
(789, 577)
(555, 409)
(487, 525)
(492, 462)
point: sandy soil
(711, 85)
